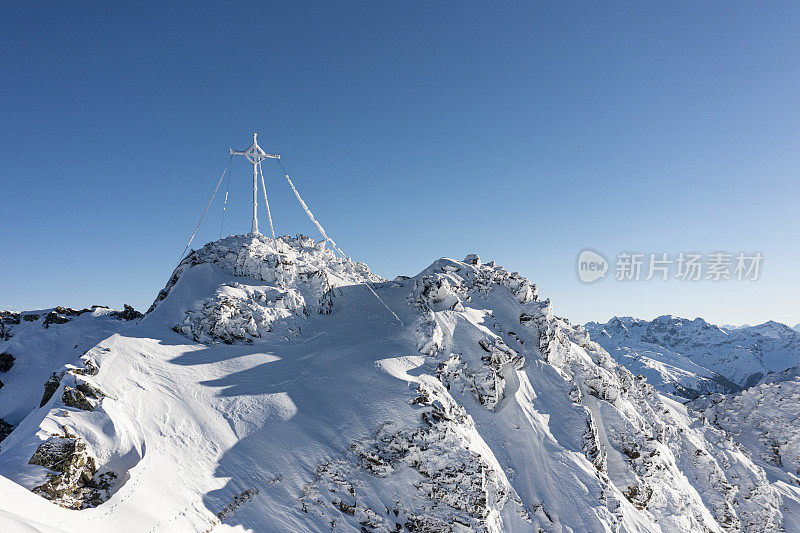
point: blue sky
(524, 132)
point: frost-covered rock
(283, 278)
(453, 484)
(763, 418)
(242, 313)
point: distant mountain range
(692, 357)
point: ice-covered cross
(255, 154)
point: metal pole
(255, 155)
(255, 198)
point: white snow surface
(268, 390)
(692, 357)
(764, 418)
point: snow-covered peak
(282, 261)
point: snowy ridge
(36, 344)
(764, 418)
(690, 358)
(267, 389)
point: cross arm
(261, 155)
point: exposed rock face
(76, 398)
(5, 429)
(53, 317)
(50, 388)
(7, 319)
(71, 482)
(128, 313)
(6, 361)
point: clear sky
(524, 132)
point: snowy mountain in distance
(693, 357)
(796, 327)
(732, 327)
(273, 386)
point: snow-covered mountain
(273, 386)
(35, 344)
(693, 357)
(733, 326)
(764, 418)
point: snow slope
(268, 389)
(692, 357)
(34, 344)
(764, 418)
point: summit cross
(255, 154)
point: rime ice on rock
(283, 281)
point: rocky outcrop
(71, 481)
(50, 388)
(5, 429)
(7, 319)
(73, 397)
(128, 313)
(54, 317)
(242, 313)
(6, 361)
(289, 278)
(455, 484)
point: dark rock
(50, 388)
(71, 483)
(6, 361)
(7, 319)
(5, 429)
(31, 317)
(128, 314)
(75, 398)
(69, 311)
(54, 318)
(88, 390)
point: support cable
(367, 284)
(225, 205)
(227, 167)
(266, 202)
(309, 213)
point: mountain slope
(693, 357)
(35, 344)
(269, 389)
(764, 418)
